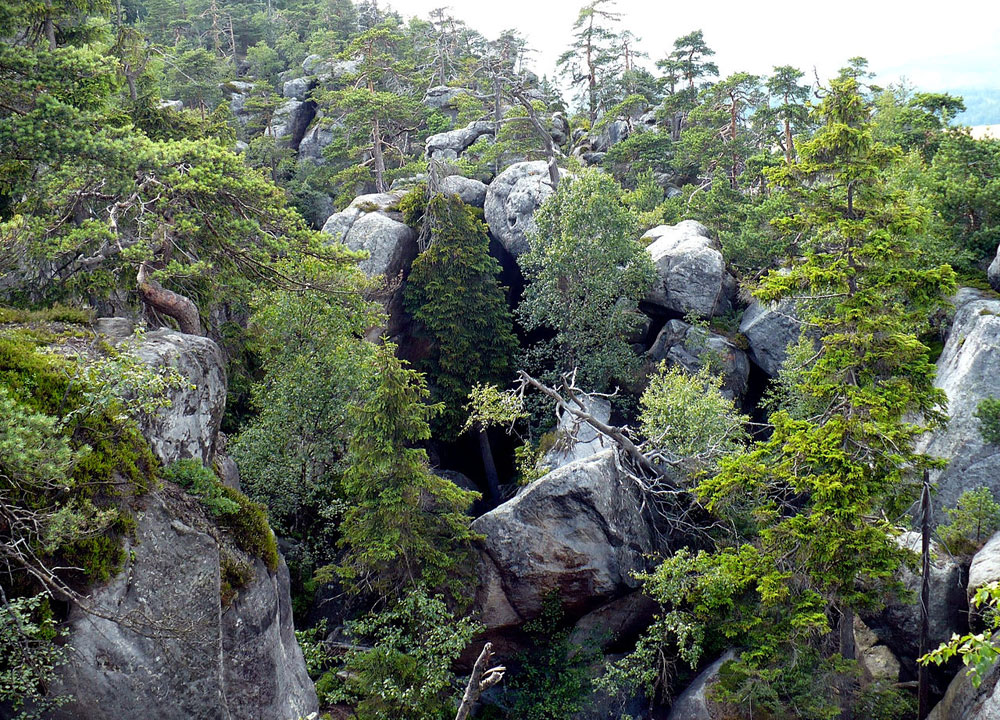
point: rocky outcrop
(692, 276)
(769, 331)
(315, 140)
(964, 701)
(559, 129)
(985, 567)
(511, 201)
(576, 440)
(993, 273)
(898, 624)
(689, 347)
(876, 660)
(449, 145)
(610, 134)
(190, 426)
(168, 648)
(443, 99)
(174, 634)
(693, 703)
(577, 532)
(969, 372)
(471, 191)
(290, 121)
(296, 88)
(372, 223)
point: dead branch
(480, 681)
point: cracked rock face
(174, 651)
(190, 426)
(994, 272)
(577, 532)
(692, 275)
(769, 331)
(511, 201)
(681, 344)
(371, 223)
(969, 372)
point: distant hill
(982, 106)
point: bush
(245, 520)
(975, 518)
(988, 414)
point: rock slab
(692, 275)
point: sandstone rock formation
(683, 345)
(511, 201)
(769, 331)
(692, 275)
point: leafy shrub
(56, 313)
(405, 672)
(28, 656)
(245, 520)
(988, 414)
(974, 519)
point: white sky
(940, 45)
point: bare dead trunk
(175, 305)
(923, 681)
(481, 679)
(379, 157)
(489, 466)
(848, 651)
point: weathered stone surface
(290, 121)
(576, 532)
(692, 275)
(511, 201)
(985, 567)
(898, 625)
(372, 223)
(296, 88)
(471, 191)
(969, 372)
(769, 331)
(963, 701)
(575, 439)
(188, 428)
(876, 660)
(175, 653)
(449, 145)
(614, 622)
(993, 274)
(171, 105)
(681, 344)
(443, 99)
(317, 137)
(611, 134)
(325, 69)
(560, 129)
(693, 703)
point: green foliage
(587, 273)
(54, 314)
(453, 293)
(553, 682)
(978, 651)
(201, 482)
(403, 524)
(686, 419)
(405, 674)
(988, 414)
(971, 523)
(29, 657)
(245, 521)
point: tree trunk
(180, 308)
(379, 157)
(480, 680)
(788, 142)
(490, 468)
(848, 651)
(923, 681)
(50, 28)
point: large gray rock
(898, 624)
(692, 275)
(559, 129)
(449, 145)
(168, 649)
(577, 532)
(993, 274)
(963, 701)
(683, 345)
(769, 331)
(296, 88)
(985, 567)
(511, 201)
(443, 99)
(290, 121)
(471, 191)
(372, 223)
(969, 372)
(325, 70)
(574, 439)
(693, 703)
(611, 134)
(189, 427)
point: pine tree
(403, 525)
(593, 57)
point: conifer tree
(593, 57)
(403, 525)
